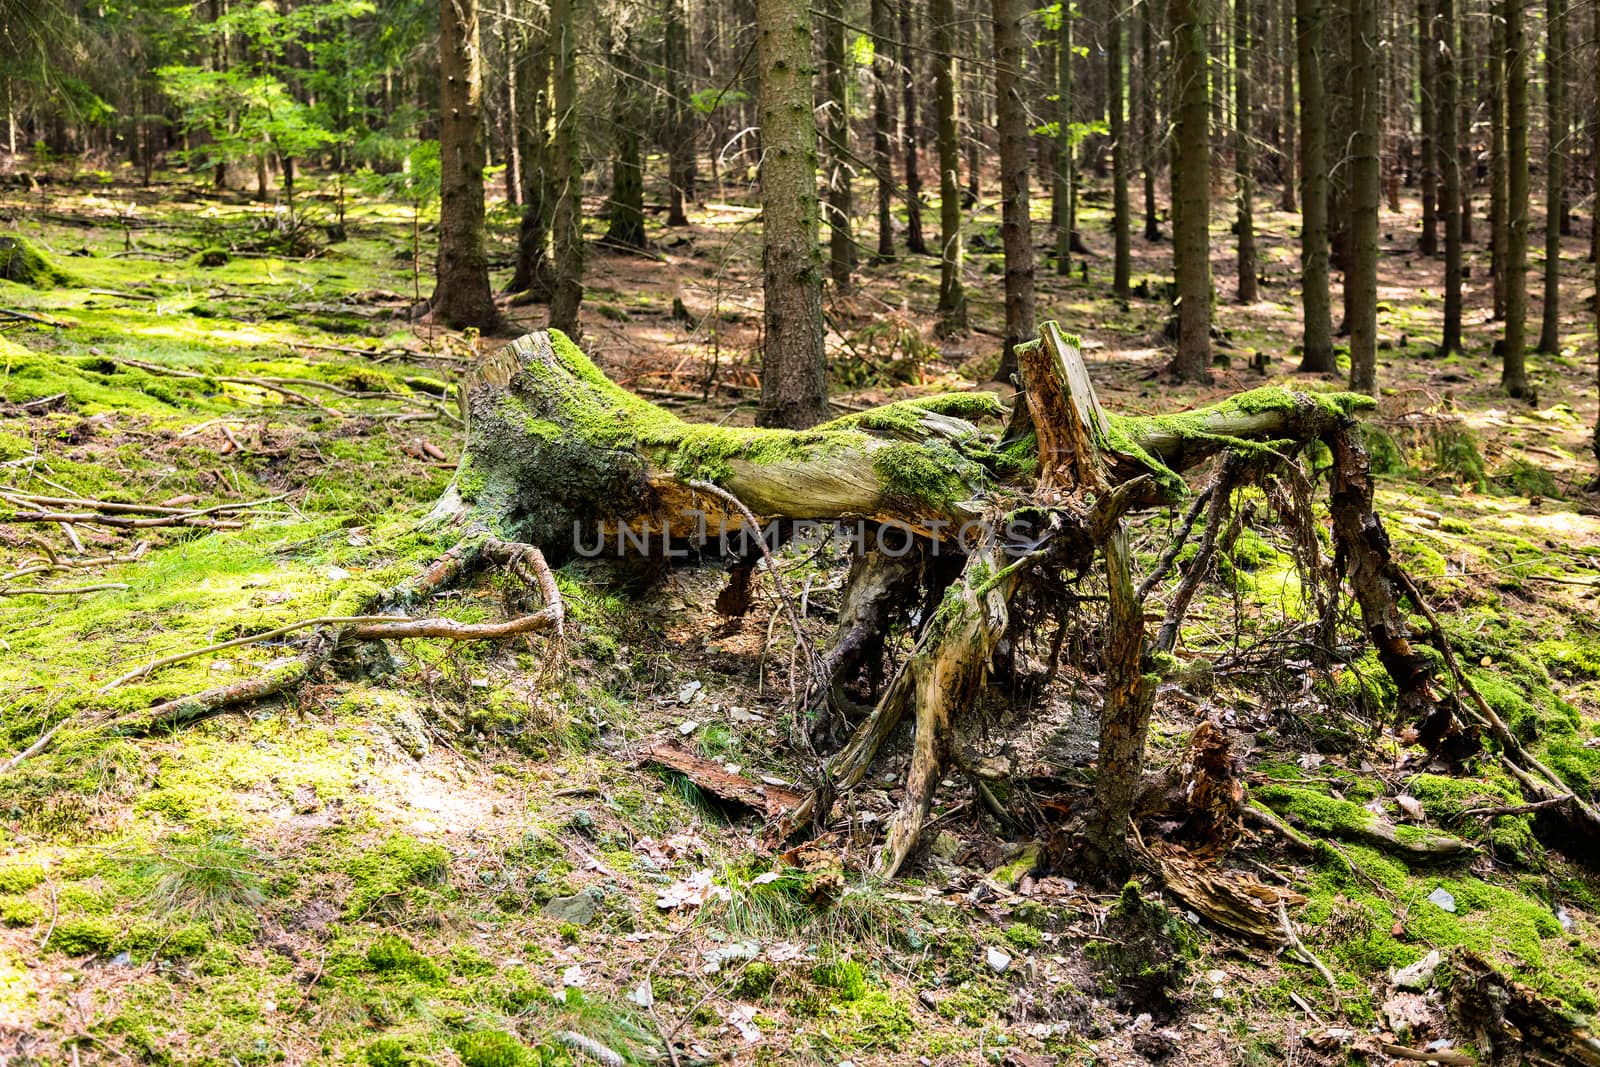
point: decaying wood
(770, 800)
(1239, 903)
(1513, 1023)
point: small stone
(687, 727)
(579, 908)
(688, 691)
(1418, 976)
(945, 845)
(998, 960)
(1443, 898)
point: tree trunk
(461, 296)
(1191, 192)
(1316, 299)
(836, 74)
(1499, 196)
(626, 227)
(1147, 118)
(534, 273)
(1361, 276)
(794, 370)
(1467, 106)
(1121, 225)
(1243, 158)
(1555, 157)
(567, 168)
(883, 122)
(1429, 245)
(1288, 147)
(679, 126)
(1016, 224)
(952, 309)
(911, 132)
(1514, 372)
(1066, 152)
(1449, 166)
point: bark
(534, 273)
(626, 227)
(461, 296)
(952, 310)
(1555, 156)
(1499, 170)
(794, 373)
(1147, 119)
(679, 126)
(1016, 224)
(1191, 193)
(1121, 261)
(836, 73)
(1066, 152)
(882, 122)
(1361, 276)
(1429, 244)
(1514, 369)
(911, 132)
(1287, 147)
(566, 169)
(1449, 166)
(1243, 158)
(1316, 298)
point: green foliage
(393, 873)
(493, 1048)
(845, 977)
(392, 954)
(210, 876)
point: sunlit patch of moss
(402, 872)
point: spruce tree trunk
(1555, 158)
(841, 241)
(1243, 158)
(1066, 151)
(567, 169)
(882, 123)
(1429, 245)
(461, 296)
(626, 227)
(1289, 145)
(1361, 276)
(952, 309)
(1449, 166)
(1191, 191)
(1316, 298)
(1467, 107)
(679, 126)
(534, 273)
(911, 132)
(1499, 171)
(1514, 371)
(1147, 118)
(1016, 225)
(1121, 225)
(794, 372)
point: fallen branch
(1307, 955)
(73, 590)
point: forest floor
(394, 863)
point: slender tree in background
(1146, 97)
(1444, 40)
(882, 120)
(1514, 372)
(1288, 149)
(836, 78)
(1315, 296)
(1428, 171)
(952, 309)
(1467, 100)
(534, 273)
(679, 129)
(1191, 180)
(911, 132)
(794, 371)
(1066, 152)
(626, 206)
(1498, 170)
(461, 295)
(1361, 275)
(1555, 154)
(566, 166)
(1121, 149)
(1243, 159)
(1016, 226)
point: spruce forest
(847, 533)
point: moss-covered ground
(448, 855)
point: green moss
(1024, 936)
(392, 954)
(493, 1048)
(83, 934)
(393, 872)
(24, 264)
(20, 911)
(20, 877)
(845, 977)
(756, 979)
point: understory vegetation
(446, 852)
